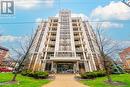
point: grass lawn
(99, 82)
(23, 81)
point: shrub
(127, 70)
(94, 74)
(26, 72)
(40, 74)
(36, 74)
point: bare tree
(107, 49)
(22, 54)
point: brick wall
(124, 57)
(3, 54)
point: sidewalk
(64, 80)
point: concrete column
(44, 65)
(85, 65)
(31, 57)
(55, 67)
(35, 62)
(39, 68)
(89, 64)
(94, 65)
(74, 68)
(52, 66)
(77, 66)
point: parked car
(5, 70)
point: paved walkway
(64, 80)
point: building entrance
(65, 68)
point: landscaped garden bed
(92, 75)
(36, 74)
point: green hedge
(26, 73)
(36, 74)
(127, 70)
(40, 74)
(94, 74)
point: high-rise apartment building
(64, 44)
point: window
(75, 29)
(73, 20)
(54, 29)
(54, 24)
(74, 24)
(55, 20)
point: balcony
(52, 26)
(55, 24)
(52, 37)
(51, 31)
(52, 42)
(55, 21)
(65, 59)
(76, 37)
(79, 49)
(65, 43)
(51, 49)
(76, 26)
(73, 20)
(78, 31)
(77, 43)
(53, 34)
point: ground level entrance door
(65, 67)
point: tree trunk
(109, 79)
(107, 69)
(14, 77)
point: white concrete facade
(61, 38)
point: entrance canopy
(65, 58)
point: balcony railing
(53, 37)
(53, 31)
(77, 42)
(78, 49)
(76, 36)
(52, 42)
(50, 49)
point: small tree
(25, 48)
(107, 48)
